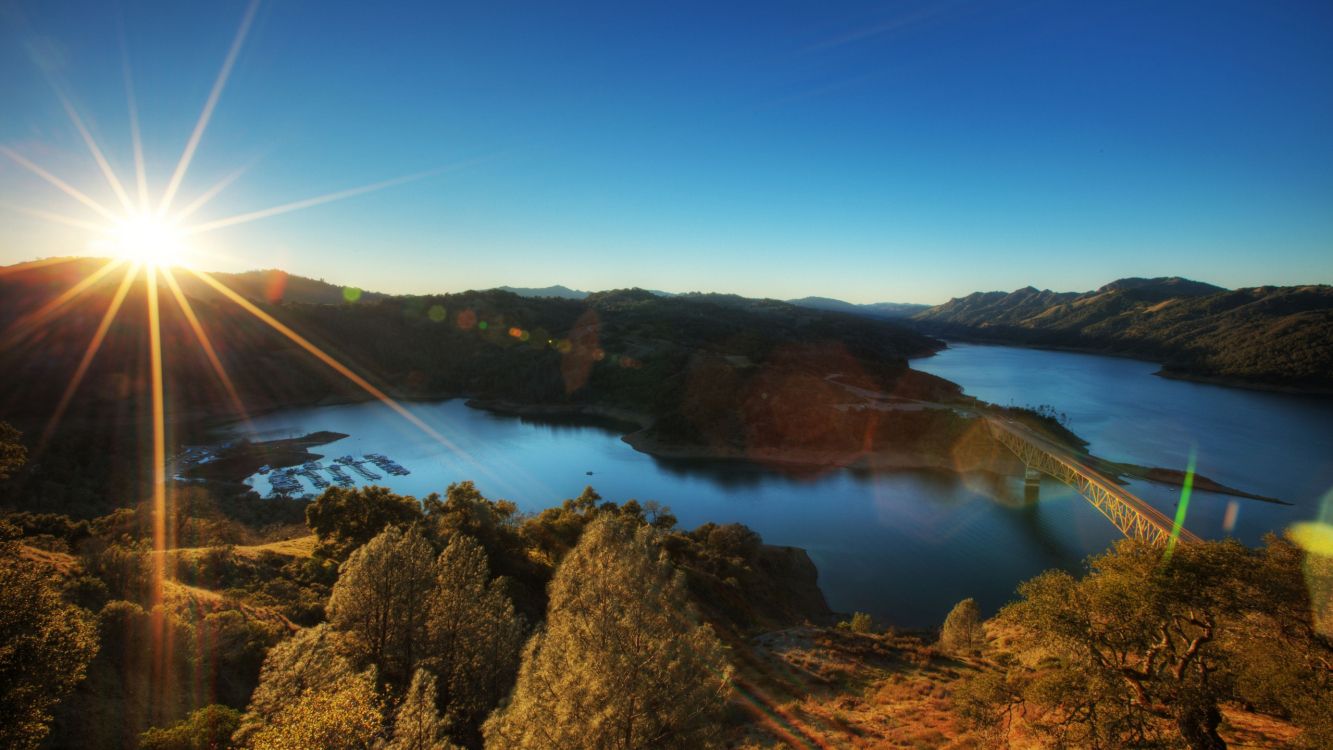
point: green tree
(417, 724)
(45, 646)
(344, 519)
(207, 728)
(344, 715)
(623, 661)
(382, 602)
(475, 637)
(962, 632)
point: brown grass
(824, 688)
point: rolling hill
(889, 310)
(1263, 337)
(699, 368)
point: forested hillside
(1277, 337)
(687, 364)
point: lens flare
(145, 239)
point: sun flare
(147, 239)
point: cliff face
(795, 595)
(1273, 337)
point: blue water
(1271, 444)
(904, 546)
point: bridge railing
(1134, 518)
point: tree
(312, 659)
(417, 725)
(962, 632)
(207, 728)
(623, 661)
(1130, 654)
(475, 637)
(45, 646)
(381, 600)
(344, 519)
(861, 622)
(12, 453)
(345, 715)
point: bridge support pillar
(1031, 484)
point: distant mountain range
(894, 310)
(1269, 337)
(562, 292)
(557, 291)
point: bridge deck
(1134, 517)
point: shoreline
(635, 430)
(1163, 370)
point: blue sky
(868, 151)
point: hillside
(560, 291)
(1265, 337)
(890, 310)
(696, 367)
(274, 285)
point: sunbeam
(264, 213)
(60, 184)
(209, 194)
(207, 345)
(30, 265)
(333, 363)
(161, 635)
(96, 151)
(27, 324)
(90, 352)
(55, 218)
(136, 138)
(202, 124)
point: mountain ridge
(1268, 337)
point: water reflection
(906, 545)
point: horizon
(575, 289)
(783, 154)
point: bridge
(1135, 518)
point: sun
(144, 238)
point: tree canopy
(623, 661)
(1143, 650)
(45, 646)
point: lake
(903, 546)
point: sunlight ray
(98, 156)
(136, 138)
(264, 213)
(209, 195)
(159, 435)
(333, 363)
(34, 264)
(56, 218)
(202, 124)
(91, 352)
(161, 635)
(25, 325)
(207, 346)
(63, 186)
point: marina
(287, 481)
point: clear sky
(899, 151)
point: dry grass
(826, 689)
(182, 597)
(302, 546)
(62, 564)
(820, 688)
